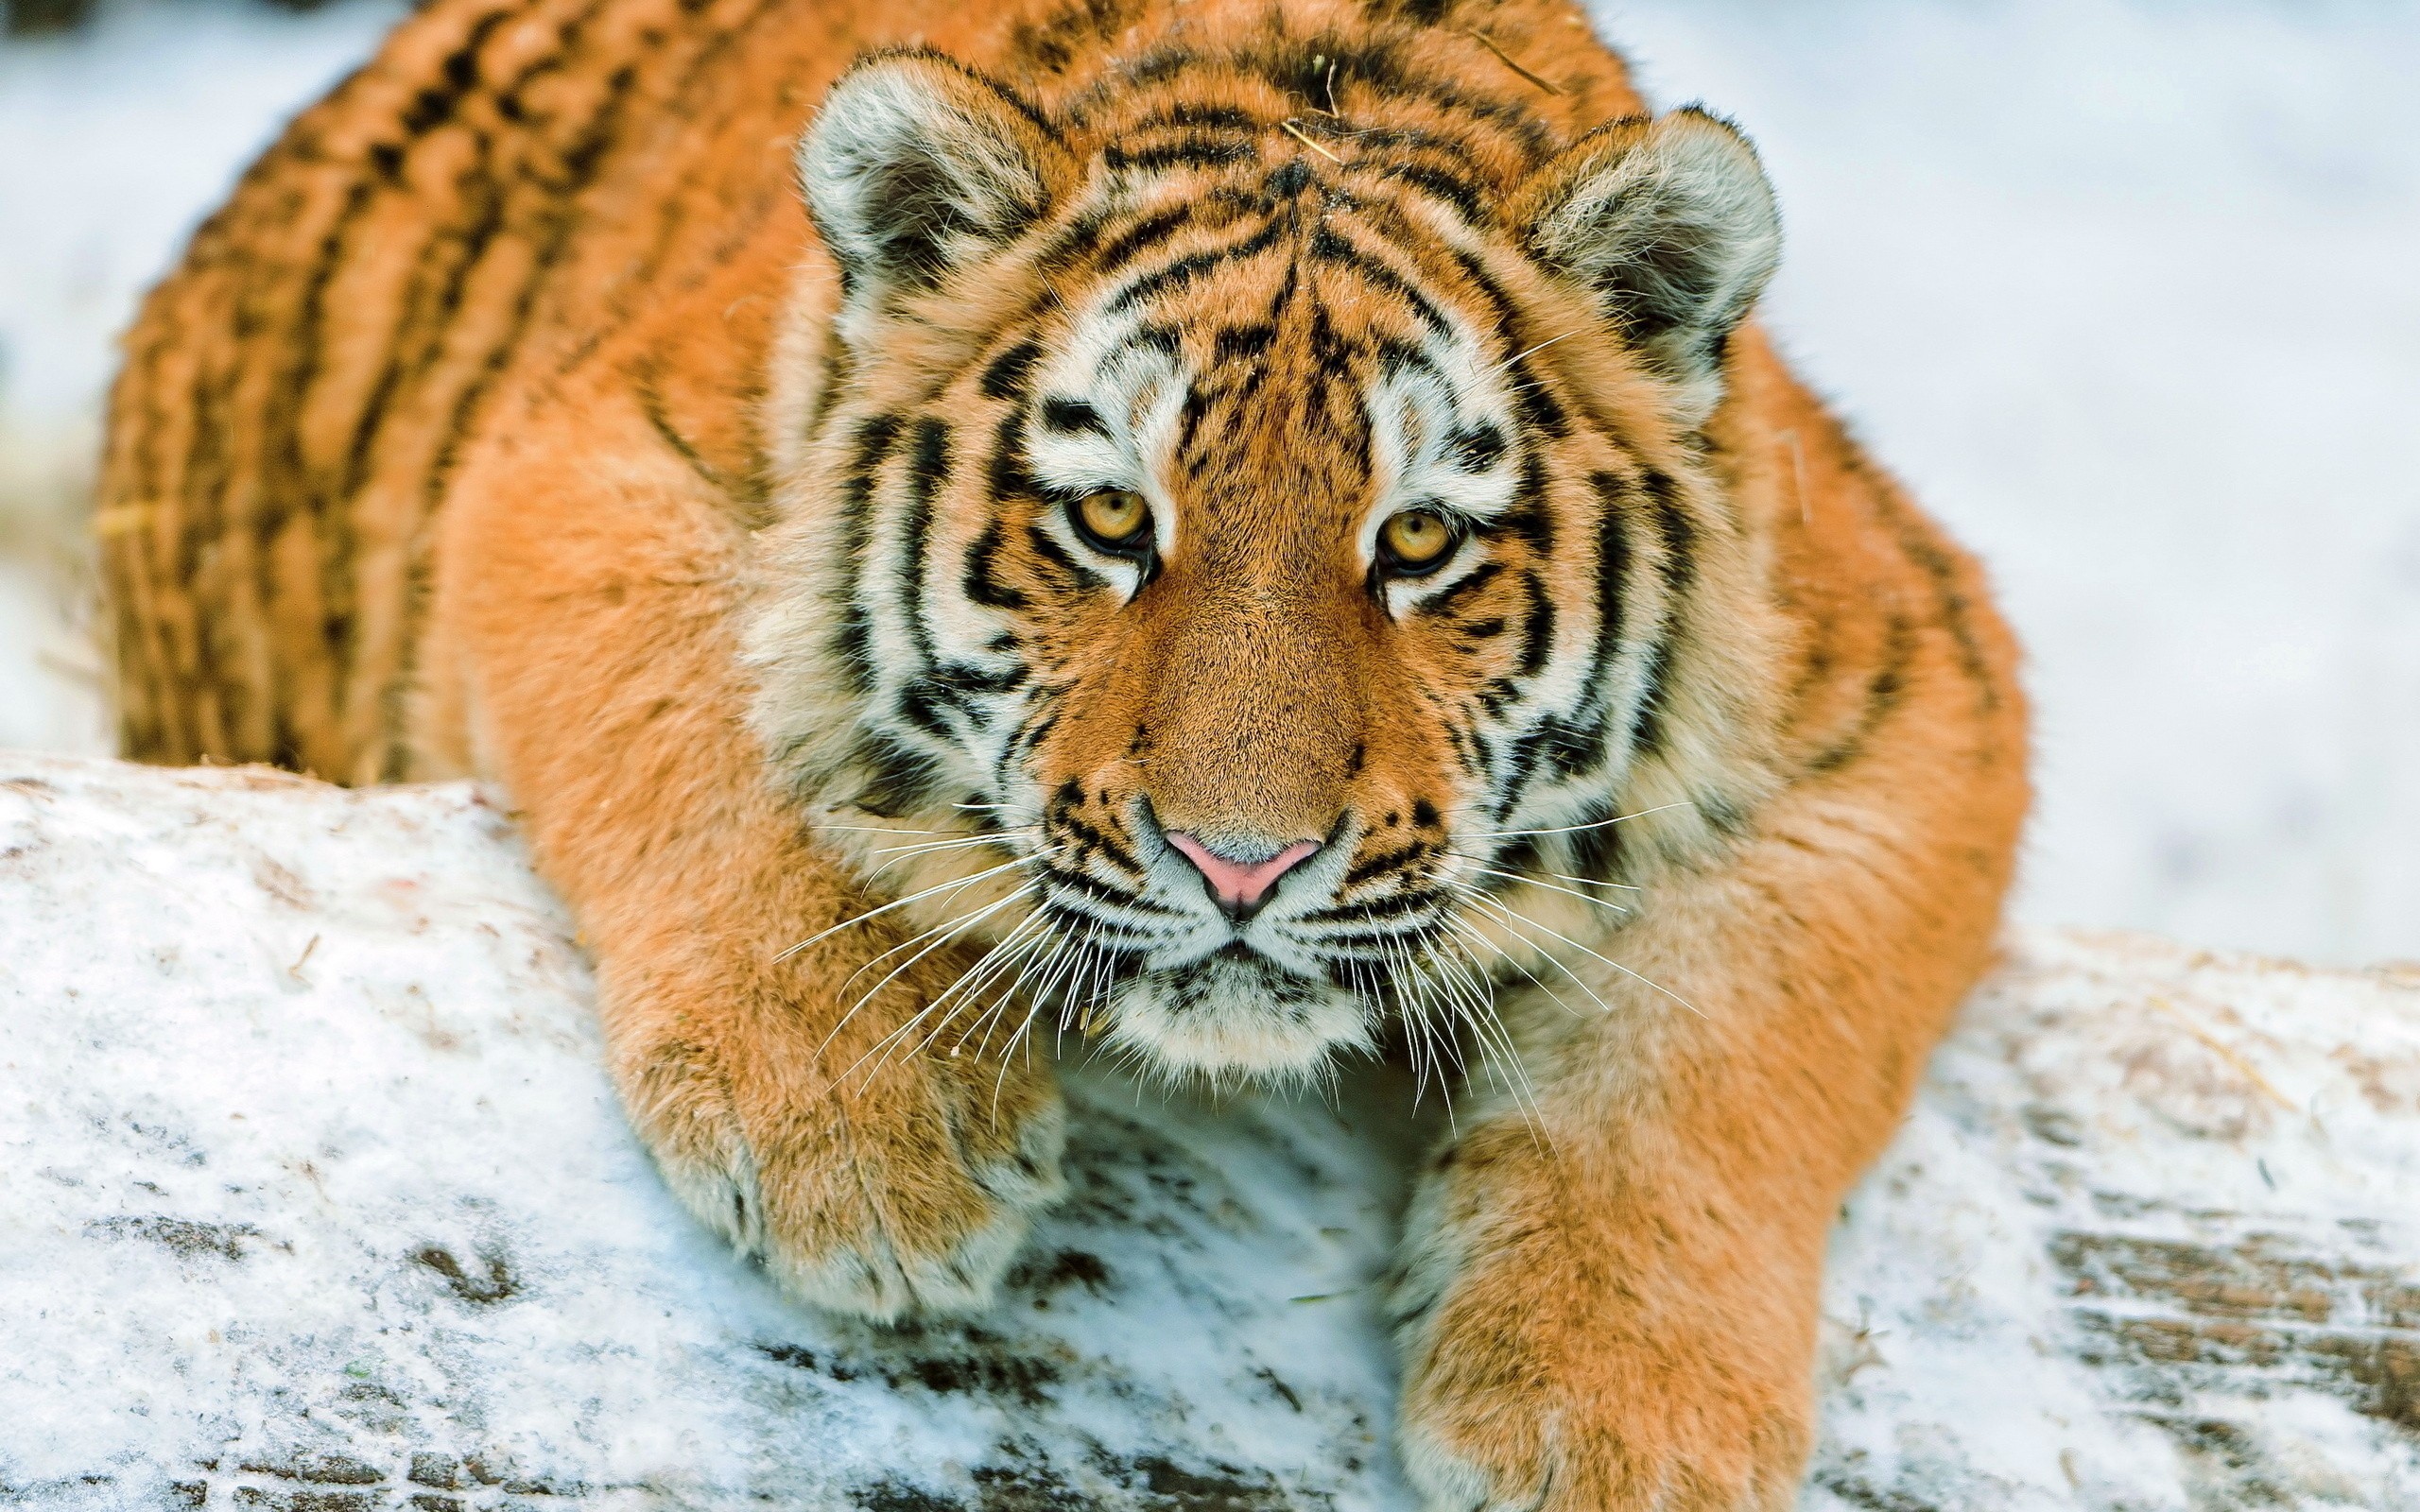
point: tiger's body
(1255, 525)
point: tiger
(1262, 533)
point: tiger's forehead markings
(1316, 327)
(1326, 70)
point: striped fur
(519, 416)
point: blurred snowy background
(2124, 288)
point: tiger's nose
(1240, 886)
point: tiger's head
(1241, 559)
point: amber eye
(1114, 519)
(1414, 541)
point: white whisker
(1527, 880)
(1575, 828)
(916, 896)
(1513, 920)
(1467, 932)
(981, 974)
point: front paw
(906, 1189)
(1560, 1360)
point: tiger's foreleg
(585, 611)
(1607, 1298)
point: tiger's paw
(1546, 1370)
(905, 1194)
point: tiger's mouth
(1235, 1011)
(1196, 973)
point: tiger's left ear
(1672, 225)
(918, 166)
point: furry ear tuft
(917, 166)
(1672, 224)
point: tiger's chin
(1236, 1015)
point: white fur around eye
(1418, 417)
(1135, 393)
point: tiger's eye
(1416, 538)
(1114, 517)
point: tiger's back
(495, 194)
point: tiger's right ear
(917, 166)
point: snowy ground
(2122, 286)
(313, 1196)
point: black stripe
(580, 161)
(1391, 907)
(1239, 343)
(1613, 572)
(928, 469)
(1186, 269)
(1219, 117)
(1919, 547)
(1006, 376)
(1396, 358)
(1072, 416)
(1074, 574)
(1192, 152)
(1330, 247)
(1478, 447)
(1680, 536)
(1380, 865)
(1521, 764)
(1153, 336)
(854, 642)
(1089, 839)
(1009, 478)
(980, 583)
(1538, 408)
(1144, 236)
(894, 779)
(1537, 626)
(1529, 521)
(1102, 892)
(1573, 747)
(1437, 184)
(969, 680)
(1647, 722)
(1883, 693)
(1597, 853)
(924, 703)
(1451, 598)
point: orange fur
(504, 422)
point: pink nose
(1240, 887)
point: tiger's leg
(1614, 1307)
(587, 599)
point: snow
(2146, 1240)
(312, 1178)
(2121, 287)
(313, 1195)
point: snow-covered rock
(313, 1196)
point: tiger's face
(1260, 557)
